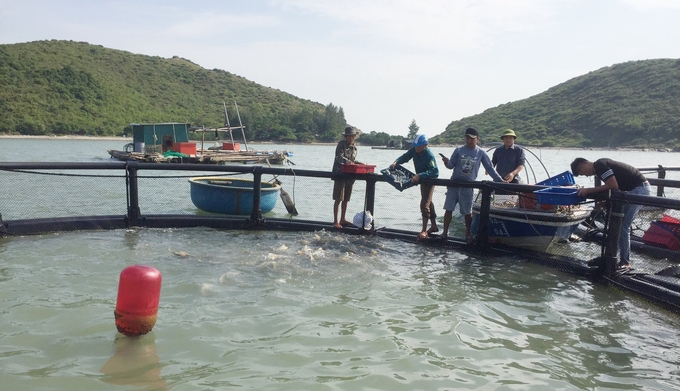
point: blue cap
(420, 140)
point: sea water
(318, 310)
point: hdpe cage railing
(37, 198)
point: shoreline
(64, 137)
(129, 139)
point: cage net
(44, 194)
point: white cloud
(652, 4)
(435, 24)
(209, 25)
(384, 61)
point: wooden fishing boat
(233, 196)
(169, 143)
(204, 156)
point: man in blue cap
(465, 162)
(426, 167)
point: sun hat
(471, 132)
(420, 140)
(350, 131)
(509, 132)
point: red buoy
(139, 292)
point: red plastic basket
(663, 234)
(670, 219)
(528, 201)
(673, 227)
(357, 168)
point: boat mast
(242, 127)
(226, 123)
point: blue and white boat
(534, 229)
(233, 196)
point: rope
(363, 216)
(294, 180)
(276, 180)
(605, 232)
(127, 185)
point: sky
(385, 62)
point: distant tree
(374, 138)
(282, 133)
(412, 130)
(331, 123)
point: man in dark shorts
(345, 153)
(615, 176)
(426, 167)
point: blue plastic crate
(399, 177)
(558, 196)
(564, 179)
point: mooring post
(133, 189)
(611, 249)
(370, 198)
(256, 214)
(662, 175)
(3, 229)
(483, 231)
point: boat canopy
(155, 134)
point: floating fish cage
(51, 197)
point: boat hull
(206, 157)
(233, 196)
(528, 228)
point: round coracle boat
(232, 196)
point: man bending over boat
(426, 167)
(345, 153)
(615, 176)
(465, 162)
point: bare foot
(422, 235)
(345, 222)
(433, 229)
(337, 225)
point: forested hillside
(630, 104)
(66, 87)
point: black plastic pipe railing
(135, 217)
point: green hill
(66, 87)
(633, 104)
